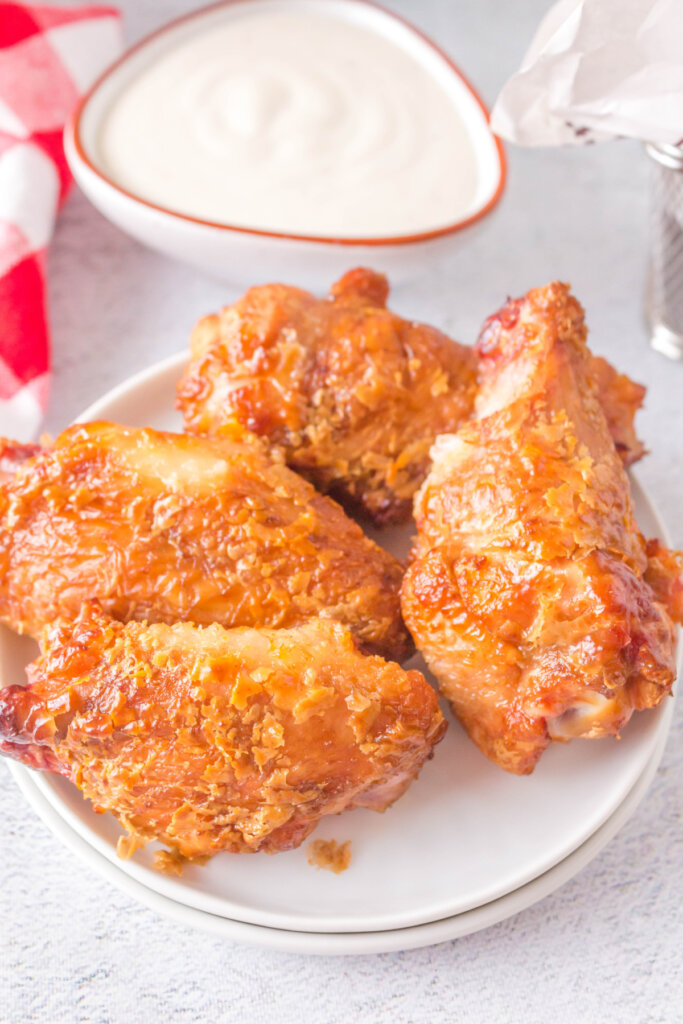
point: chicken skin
(212, 740)
(621, 398)
(531, 593)
(353, 394)
(162, 527)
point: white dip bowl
(245, 256)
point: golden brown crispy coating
(13, 454)
(163, 527)
(621, 398)
(531, 592)
(215, 740)
(354, 394)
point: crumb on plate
(330, 855)
(172, 862)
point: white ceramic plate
(349, 943)
(464, 835)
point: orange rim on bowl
(74, 127)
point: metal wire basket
(665, 278)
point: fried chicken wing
(353, 394)
(163, 527)
(621, 398)
(531, 592)
(215, 740)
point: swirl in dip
(294, 119)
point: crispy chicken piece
(215, 740)
(531, 592)
(163, 527)
(13, 454)
(353, 394)
(621, 398)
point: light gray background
(606, 947)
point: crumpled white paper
(598, 69)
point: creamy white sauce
(296, 122)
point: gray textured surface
(607, 945)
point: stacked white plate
(467, 846)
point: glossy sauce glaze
(293, 121)
(164, 527)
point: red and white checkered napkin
(48, 57)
